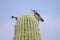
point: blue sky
(48, 9)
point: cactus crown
(26, 28)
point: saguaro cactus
(26, 28)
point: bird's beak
(32, 10)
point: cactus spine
(26, 28)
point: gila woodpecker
(37, 16)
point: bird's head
(35, 11)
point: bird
(37, 16)
(14, 17)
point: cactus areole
(26, 28)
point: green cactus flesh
(26, 28)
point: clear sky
(48, 9)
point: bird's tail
(42, 20)
(14, 17)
